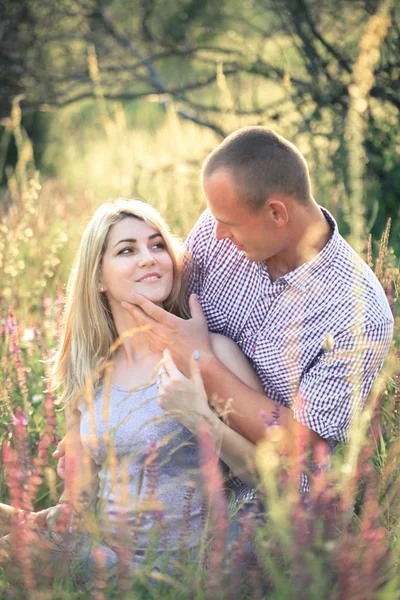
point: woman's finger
(60, 450)
(40, 517)
(170, 367)
(162, 377)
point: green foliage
(191, 19)
(288, 64)
(341, 542)
(317, 547)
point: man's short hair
(262, 163)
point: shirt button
(247, 332)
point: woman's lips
(149, 278)
(152, 276)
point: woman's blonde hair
(89, 329)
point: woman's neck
(134, 362)
(135, 345)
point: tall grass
(340, 541)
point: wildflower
(186, 514)
(217, 506)
(99, 579)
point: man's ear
(277, 211)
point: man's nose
(221, 231)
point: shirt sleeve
(335, 388)
(197, 250)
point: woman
(124, 452)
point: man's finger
(154, 329)
(152, 310)
(61, 468)
(195, 374)
(196, 312)
(138, 314)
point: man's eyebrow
(133, 241)
(223, 222)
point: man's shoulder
(205, 222)
(202, 243)
(359, 279)
(201, 234)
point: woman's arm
(235, 450)
(80, 471)
(79, 474)
(8, 514)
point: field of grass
(340, 542)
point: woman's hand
(184, 397)
(11, 517)
(59, 454)
(61, 520)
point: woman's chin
(157, 299)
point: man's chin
(250, 255)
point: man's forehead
(222, 176)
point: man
(270, 270)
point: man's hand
(181, 336)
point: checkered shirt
(316, 337)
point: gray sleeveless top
(144, 454)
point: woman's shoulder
(225, 348)
(231, 356)
(221, 343)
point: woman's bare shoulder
(230, 355)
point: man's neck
(308, 235)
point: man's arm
(330, 395)
(182, 337)
(334, 391)
(326, 393)
(186, 400)
(247, 409)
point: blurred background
(107, 98)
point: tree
(266, 61)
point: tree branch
(346, 66)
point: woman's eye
(159, 246)
(127, 250)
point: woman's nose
(146, 257)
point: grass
(341, 542)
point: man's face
(252, 232)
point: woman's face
(136, 260)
